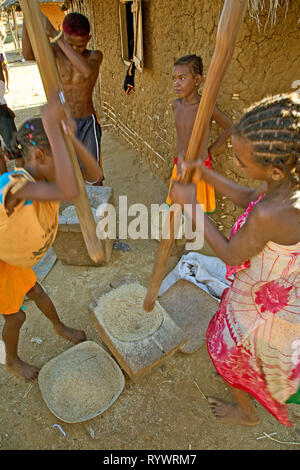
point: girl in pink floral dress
(254, 338)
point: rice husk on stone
(123, 314)
(80, 383)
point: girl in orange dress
(29, 202)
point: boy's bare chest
(185, 117)
(70, 75)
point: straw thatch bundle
(256, 7)
(260, 6)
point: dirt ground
(165, 410)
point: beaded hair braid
(31, 133)
(273, 128)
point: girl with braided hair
(29, 203)
(253, 339)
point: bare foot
(77, 336)
(227, 413)
(22, 369)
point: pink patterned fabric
(252, 337)
(231, 270)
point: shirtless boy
(187, 76)
(79, 70)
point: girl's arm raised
(64, 186)
(92, 173)
(238, 194)
(246, 243)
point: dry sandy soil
(166, 410)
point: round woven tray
(80, 383)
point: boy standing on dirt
(187, 76)
(79, 70)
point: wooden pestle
(52, 83)
(228, 29)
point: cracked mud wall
(266, 61)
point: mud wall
(266, 61)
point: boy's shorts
(88, 131)
(14, 285)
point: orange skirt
(15, 282)
(205, 192)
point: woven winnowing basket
(81, 383)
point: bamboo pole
(15, 23)
(228, 29)
(11, 29)
(52, 83)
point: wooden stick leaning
(52, 83)
(228, 29)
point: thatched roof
(256, 7)
(261, 6)
(14, 3)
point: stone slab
(69, 245)
(138, 358)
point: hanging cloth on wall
(129, 79)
